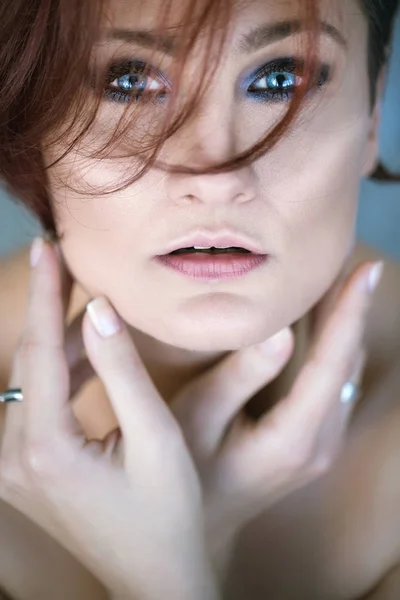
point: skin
(321, 161)
(323, 164)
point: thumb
(206, 406)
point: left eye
(278, 80)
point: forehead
(132, 23)
(254, 24)
(145, 14)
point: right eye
(126, 82)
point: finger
(330, 361)
(335, 426)
(43, 364)
(81, 371)
(110, 442)
(348, 406)
(73, 342)
(142, 415)
(13, 424)
(14, 417)
(206, 407)
(74, 345)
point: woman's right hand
(247, 466)
(130, 509)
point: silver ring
(350, 393)
(12, 395)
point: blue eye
(277, 81)
(280, 81)
(134, 81)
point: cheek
(313, 180)
(88, 200)
(103, 236)
(312, 191)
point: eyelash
(132, 68)
(288, 67)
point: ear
(372, 150)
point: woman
(195, 433)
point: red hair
(46, 56)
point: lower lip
(208, 267)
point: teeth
(209, 247)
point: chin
(213, 334)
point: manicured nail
(36, 251)
(103, 317)
(276, 343)
(374, 276)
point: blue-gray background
(379, 213)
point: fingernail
(103, 317)
(374, 276)
(36, 251)
(276, 343)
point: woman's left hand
(247, 466)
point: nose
(222, 188)
(210, 139)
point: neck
(171, 368)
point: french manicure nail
(103, 317)
(36, 251)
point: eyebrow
(258, 38)
(267, 34)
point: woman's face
(297, 204)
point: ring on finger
(350, 393)
(12, 395)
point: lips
(208, 267)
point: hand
(130, 508)
(247, 466)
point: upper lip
(209, 238)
